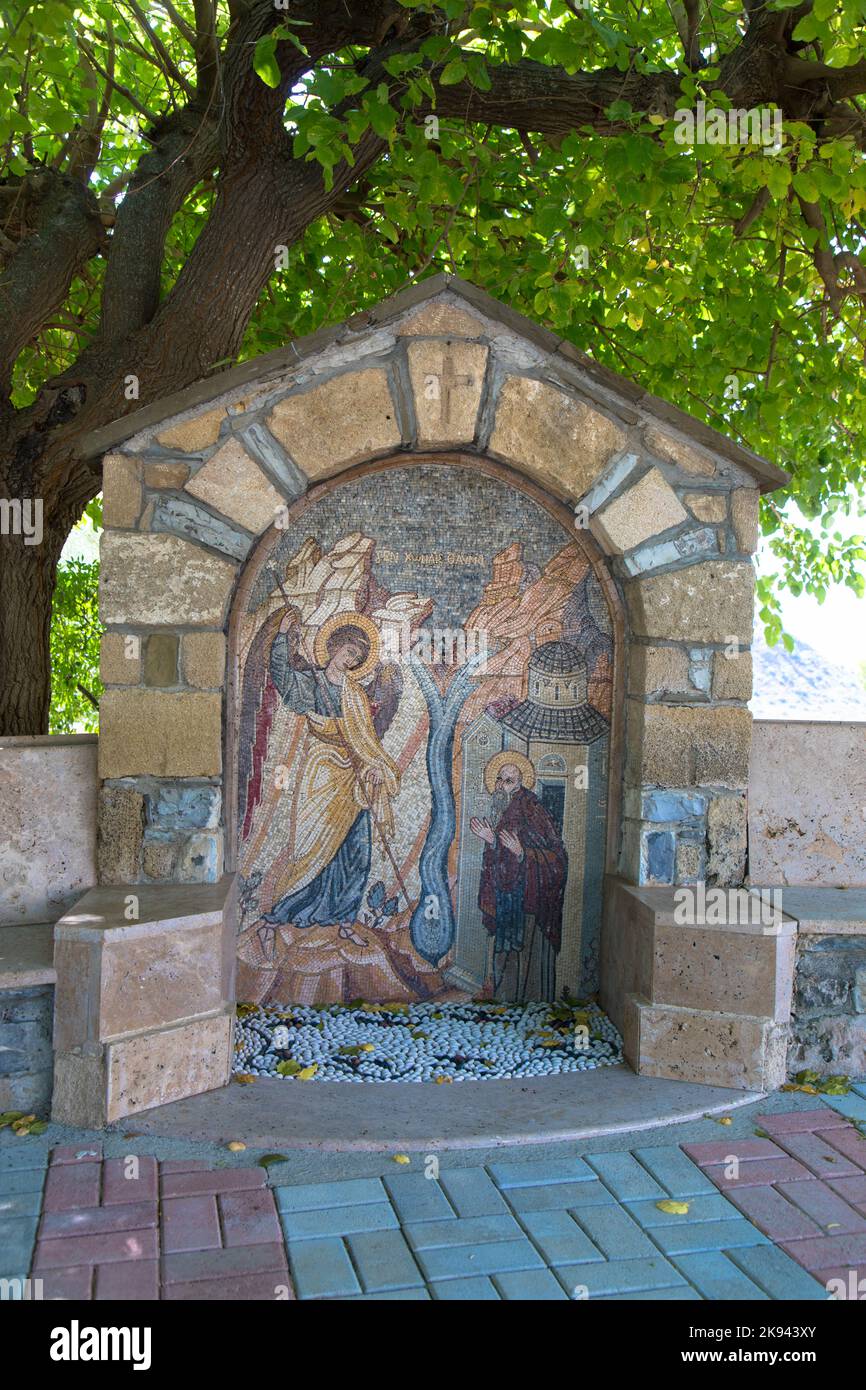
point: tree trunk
(27, 576)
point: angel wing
(259, 699)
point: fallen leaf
(402, 1158)
(268, 1159)
(723, 1120)
(245, 1078)
(673, 1208)
(236, 1146)
(308, 1073)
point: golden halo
(518, 760)
(348, 619)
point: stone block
(562, 442)
(626, 950)
(711, 1048)
(121, 490)
(201, 859)
(25, 1030)
(447, 379)
(161, 734)
(835, 1043)
(184, 807)
(165, 474)
(658, 671)
(160, 659)
(162, 580)
(120, 829)
(686, 746)
(444, 320)
(191, 520)
(745, 510)
(688, 545)
(706, 968)
(646, 509)
(158, 855)
(342, 421)
(155, 1068)
(233, 484)
(119, 659)
(708, 506)
(711, 601)
(726, 840)
(204, 659)
(29, 1091)
(680, 452)
(732, 676)
(194, 435)
(669, 806)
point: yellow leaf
(673, 1208)
(307, 1073)
(368, 1047)
(440, 1080)
(22, 1131)
(402, 1158)
(245, 1078)
(724, 1120)
(236, 1146)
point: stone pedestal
(698, 1001)
(144, 999)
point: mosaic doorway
(425, 674)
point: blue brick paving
(553, 1229)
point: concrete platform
(27, 956)
(342, 1117)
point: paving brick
(676, 1173)
(618, 1276)
(720, 1150)
(624, 1176)
(217, 1180)
(824, 1251)
(681, 1294)
(131, 1282)
(20, 1204)
(844, 1284)
(182, 1165)
(773, 1214)
(471, 1192)
(817, 1155)
(473, 1230)
(417, 1198)
(479, 1289)
(18, 1180)
(718, 1278)
(559, 1238)
(96, 1221)
(540, 1173)
(853, 1190)
(617, 1236)
(17, 1236)
(495, 1257)
(413, 1295)
(752, 1174)
(560, 1196)
(76, 1153)
(798, 1121)
(123, 1181)
(69, 1185)
(190, 1223)
(384, 1261)
(341, 1221)
(850, 1107)
(711, 1208)
(22, 1155)
(849, 1142)
(830, 1211)
(321, 1269)
(96, 1250)
(707, 1235)
(530, 1285)
(75, 1283)
(773, 1271)
(263, 1288)
(249, 1218)
(322, 1196)
(188, 1266)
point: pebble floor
(423, 1042)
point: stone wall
(186, 498)
(828, 1031)
(807, 804)
(48, 788)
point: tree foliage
(186, 183)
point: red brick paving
(178, 1230)
(816, 1214)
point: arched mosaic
(424, 701)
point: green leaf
(452, 73)
(265, 60)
